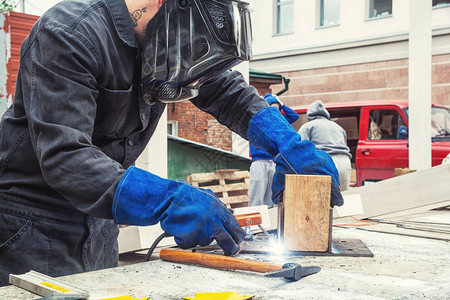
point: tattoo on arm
(136, 15)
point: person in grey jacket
(329, 137)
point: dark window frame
(376, 4)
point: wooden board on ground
(307, 213)
(425, 189)
(433, 224)
(229, 185)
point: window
(384, 125)
(440, 121)
(329, 12)
(284, 16)
(440, 3)
(380, 8)
(172, 127)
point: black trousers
(53, 242)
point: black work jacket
(78, 120)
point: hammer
(290, 271)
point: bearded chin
(140, 38)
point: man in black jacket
(88, 99)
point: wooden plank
(205, 177)
(230, 186)
(430, 224)
(234, 199)
(416, 210)
(410, 191)
(226, 187)
(261, 209)
(307, 212)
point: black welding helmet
(189, 41)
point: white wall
(354, 25)
(154, 157)
(238, 144)
(35, 7)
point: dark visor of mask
(188, 42)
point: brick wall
(370, 81)
(218, 135)
(197, 126)
(192, 122)
(263, 88)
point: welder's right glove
(192, 215)
(269, 130)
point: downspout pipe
(286, 86)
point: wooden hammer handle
(218, 261)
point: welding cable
(164, 235)
(155, 243)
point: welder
(94, 78)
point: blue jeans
(53, 242)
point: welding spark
(278, 251)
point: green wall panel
(186, 157)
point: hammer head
(293, 271)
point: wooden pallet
(229, 185)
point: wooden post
(307, 213)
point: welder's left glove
(194, 216)
(270, 131)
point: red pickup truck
(377, 134)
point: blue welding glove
(270, 131)
(192, 215)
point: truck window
(440, 122)
(384, 124)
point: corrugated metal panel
(20, 26)
(186, 157)
(4, 56)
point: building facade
(346, 50)
(333, 50)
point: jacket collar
(122, 21)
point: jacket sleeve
(61, 72)
(303, 131)
(290, 115)
(229, 99)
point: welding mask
(189, 41)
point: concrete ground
(407, 264)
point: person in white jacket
(329, 137)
